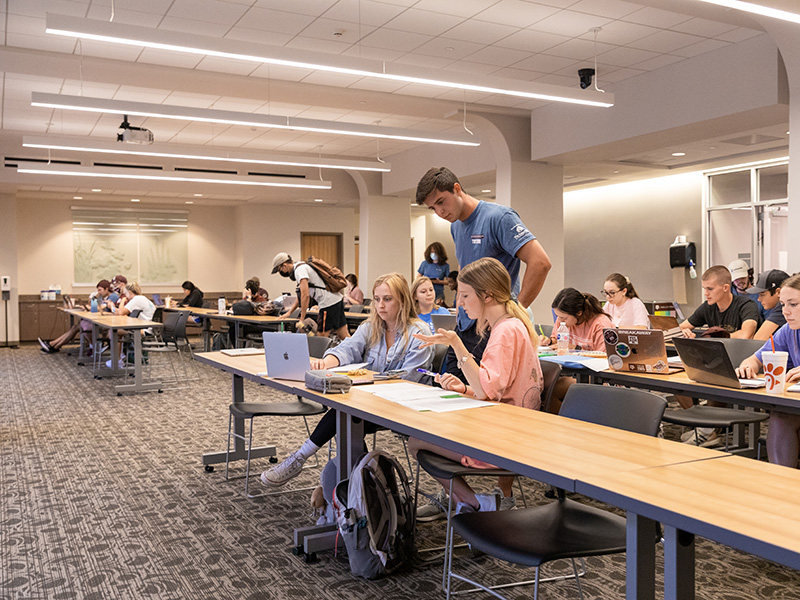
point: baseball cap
(120, 279)
(768, 281)
(738, 268)
(280, 258)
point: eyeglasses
(610, 294)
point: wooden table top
(110, 320)
(741, 502)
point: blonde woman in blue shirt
(385, 341)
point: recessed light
(485, 191)
(787, 133)
(198, 195)
(97, 190)
(77, 197)
(188, 202)
(449, 48)
(135, 200)
(679, 154)
(616, 172)
(317, 199)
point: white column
(8, 266)
(384, 239)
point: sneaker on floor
(506, 502)
(706, 438)
(288, 469)
(120, 363)
(45, 346)
(687, 435)
(436, 508)
(488, 502)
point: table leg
(640, 582)
(206, 334)
(237, 334)
(678, 564)
(239, 452)
(138, 385)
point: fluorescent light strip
(112, 173)
(228, 117)
(160, 39)
(194, 153)
(757, 9)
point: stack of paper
(420, 398)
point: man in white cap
(741, 277)
(310, 285)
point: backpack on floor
(375, 513)
(332, 277)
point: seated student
(741, 278)
(768, 289)
(254, 292)
(119, 286)
(736, 314)
(783, 437)
(104, 298)
(624, 306)
(133, 300)
(352, 293)
(508, 372)
(385, 341)
(192, 295)
(425, 300)
(451, 281)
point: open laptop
(637, 351)
(669, 325)
(444, 322)
(707, 361)
(157, 300)
(287, 355)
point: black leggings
(325, 430)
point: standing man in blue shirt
(482, 229)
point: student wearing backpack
(385, 341)
(508, 372)
(310, 285)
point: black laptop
(707, 361)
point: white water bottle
(562, 339)
(221, 305)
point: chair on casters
(564, 528)
(248, 411)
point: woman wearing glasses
(624, 306)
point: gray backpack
(375, 513)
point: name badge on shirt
(477, 239)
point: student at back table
(768, 288)
(624, 305)
(738, 315)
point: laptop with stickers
(287, 355)
(637, 351)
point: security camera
(585, 76)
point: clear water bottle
(94, 304)
(562, 340)
(221, 305)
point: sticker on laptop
(623, 350)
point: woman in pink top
(624, 306)
(509, 371)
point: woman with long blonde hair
(509, 371)
(386, 341)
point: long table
(115, 323)
(206, 314)
(651, 478)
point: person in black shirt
(192, 296)
(739, 315)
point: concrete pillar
(384, 239)
(8, 266)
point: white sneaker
(288, 469)
(506, 502)
(488, 502)
(436, 508)
(120, 363)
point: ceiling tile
(516, 13)
(276, 21)
(303, 7)
(614, 9)
(395, 40)
(448, 49)
(129, 17)
(532, 41)
(520, 74)
(332, 79)
(622, 33)
(364, 11)
(40, 8)
(213, 11)
(502, 57)
(579, 49)
(258, 36)
(376, 85)
(625, 57)
(701, 48)
(429, 62)
(423, 21)
(658, 62)
(238, 104)
(283, 73)
(656, 17)
(466, 66)
(703, 27)
(361, 51)
(194, 26)
(618, 75)
(169, 59)
(665, 41)
(569, 23)
(192, 100)
(739, 35)
(323, 30)
(461, 8)
(329, 46)
(229, 66)
(479, 32)
(137, 94)
(544, 63)
(555, 79)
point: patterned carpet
(105, 497)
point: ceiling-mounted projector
(134, 135)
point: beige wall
(8, 266)
(628, 228)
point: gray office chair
(564, 528)
(439, 354)
(356, 308)
(250, 410)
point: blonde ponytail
(516, 311)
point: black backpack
(375, 513)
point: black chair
(250, 410)
(564, 528)
(443, 468)
(715, 417)
(439, 354)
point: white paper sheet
(346, 368)
(423, 398)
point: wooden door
(327, 246)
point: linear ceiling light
(156, 175)
(306, 59)
(757, 9)
(195, 153)
(228, 117)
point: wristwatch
(463, 361)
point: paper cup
(775, 371)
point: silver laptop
(707, 361)
(443, 322)
(287, 355)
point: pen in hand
(426, 372)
